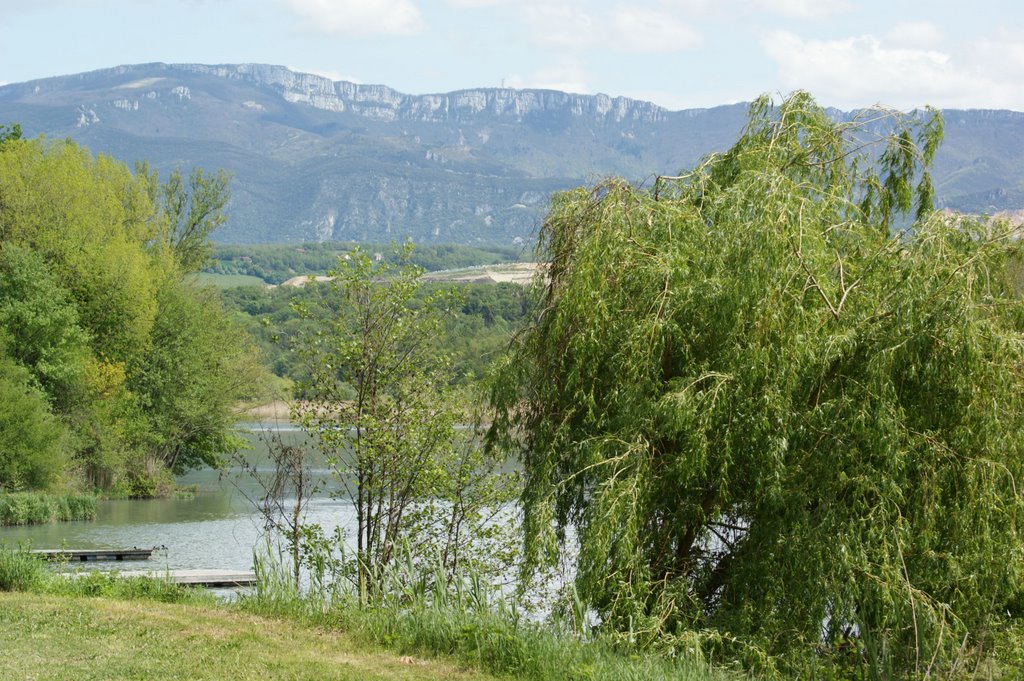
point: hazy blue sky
(677, 53)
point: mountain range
(315, 159)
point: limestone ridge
(383, 103)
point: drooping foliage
(130, 360)
(779, 399)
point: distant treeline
(275, 263)
(477, 330)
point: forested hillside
(475, 334)
(276, 263)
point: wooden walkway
(82, 555)
(209, 578)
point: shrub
(19, 571)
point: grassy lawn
(47, 637)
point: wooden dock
(82, 555)
(209, 578)
(213, 578)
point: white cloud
(561, 25)
(915, 34)
(642, 30)
(568, 76)
(1000, 55)
(359, 17)
(630, 29)
(804, 9)
(855, 71)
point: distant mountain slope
(315, 159)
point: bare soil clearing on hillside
(516, 273)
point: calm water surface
(218, 528)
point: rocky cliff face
(382, 103)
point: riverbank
(51, 637)
(39, 508)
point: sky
(676, 53)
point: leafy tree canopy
(10, 133)
(90, 219)
(192, 210)
(43, 324)
(31, 438)
(199, 368)
(768, 414)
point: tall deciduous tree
(90, 219)
(194, 210)
(197, 371)
(765, 410)
(381, 408)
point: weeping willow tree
(779, 399)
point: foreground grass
(59, 637)
(519, 650)
(468, 625)
(102, 626)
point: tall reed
(31, 508)
(417, 610)
(20, 571)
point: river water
(216, 528)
